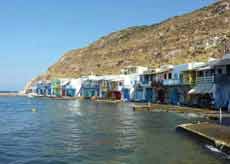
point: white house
(175, 75)
(128, 90)
(76, 84)
(131, 76)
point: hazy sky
(35, 33)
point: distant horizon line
(10, 91)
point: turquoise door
(149, 95)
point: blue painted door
(174, 96)
(149, 95)
(126, 94)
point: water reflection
(74, 107)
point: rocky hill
(191, 37)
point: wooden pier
(214, 134)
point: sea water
(86, 132)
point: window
(219, 71)
(201, 73)
(165, 76)
(146, 78)
(170, 75)
(212, 72)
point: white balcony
(205, 80)
(171, 82)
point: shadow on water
(88, 132)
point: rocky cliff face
(194, 36)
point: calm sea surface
(84, 132)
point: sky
(34, 34)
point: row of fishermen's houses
(193, 84)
